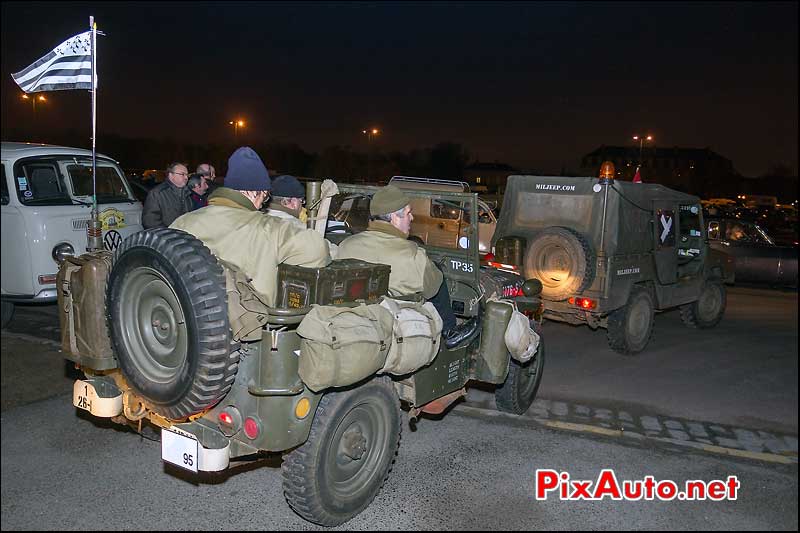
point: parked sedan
(758, 259)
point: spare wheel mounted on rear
(167, 312)
(562, 260)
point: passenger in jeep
(238, 233)
(386, 241)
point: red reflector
(226, 418)
(501, 266)
(571, 300)
(251, 428)
(489, 257)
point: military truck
(161, 344)
(609, 254)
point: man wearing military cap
(288, 197)
(386, 241)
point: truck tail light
(583, 303)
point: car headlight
(61, 251)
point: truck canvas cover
(533, 203)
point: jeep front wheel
(631, 327)
(519, 390)
(708, 309)
(351, 447)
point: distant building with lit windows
(488, 177)
(692, 170)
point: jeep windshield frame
(459, 264)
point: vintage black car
(758, 258)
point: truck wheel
(561, 259)
(168, 316)
(6, 313)
(519, 389)
(708, 309)
(341, 467)
(631, 327)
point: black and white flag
(68, 66)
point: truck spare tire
(168, 318)
(562, 260)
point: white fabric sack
(521, 341)
(416, 336)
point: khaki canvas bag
(416, 336)
(340, 346)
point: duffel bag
(416, 336)
(340, 346)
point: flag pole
(95, 228)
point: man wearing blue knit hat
(236, 231)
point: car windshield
(68, 181)
(746, 232)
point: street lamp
(236, 125)
(641, 140)
(370, 133)
(33, 100)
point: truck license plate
(179, 448)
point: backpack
(416, 336)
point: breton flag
(637, 178)
(68, 66)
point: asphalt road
(470, 470)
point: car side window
(443, 210)
(713, 230)
(4, 197)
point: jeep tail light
(252, 428)
(583, 303)
(489, 257)
(229, 421)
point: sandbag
(340, 346)
(416, 336)
(521, 341)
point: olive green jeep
(151, 328)
(609, 254)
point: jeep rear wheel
(519, 390)
(349, 452)
(708, 309)
(168, 316)
(631, 327)
(561, 259)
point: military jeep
(609, 254)
(150, 328)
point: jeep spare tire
(168, 318)
(561, 259)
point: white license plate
(179, 448)
(83, 394)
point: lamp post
(236, 125)
(370, 133)
(641, 140)
(33, 100)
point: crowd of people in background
(178, 194)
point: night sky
(533, 85)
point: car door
(757, 259)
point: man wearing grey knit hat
(238, 233)
(386, 241)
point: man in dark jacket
(198, 185)
(168, 200)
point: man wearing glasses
(168, 200)
(288, 198)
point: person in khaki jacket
(236, 231)
(386, 241)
